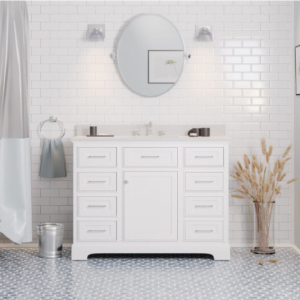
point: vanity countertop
(151, 138)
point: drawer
(204, 231)
(203, 206)
(204, 156)
(203, 181)
(97, 157)
(97, 231)
(97, 181)
(150, 157)
(97, 206)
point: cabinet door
(150, 206)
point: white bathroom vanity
(151, 195)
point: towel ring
(53, 119)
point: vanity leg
(222, 254)
(78, 253)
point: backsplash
(243, 80)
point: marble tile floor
(23, 275)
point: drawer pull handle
(95, 206)
(203, 231)
(204, 156)
(203, 206)
(96, 156)
(96, 181)
(204, 181)
(153, 156)
(100, 231)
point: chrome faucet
(150, 129)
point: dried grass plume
(259, 182)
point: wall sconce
(203, 33)
(96, 32)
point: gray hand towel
(53, 163)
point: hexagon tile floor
(23, 275)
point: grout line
(68, 245)
(251, 245)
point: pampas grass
(261, 185)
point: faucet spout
(150, 129)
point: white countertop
(150, 138)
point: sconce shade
(96, 32)
(204, 33)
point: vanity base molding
(150, 195)
(218, 251)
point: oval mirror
(150, 55)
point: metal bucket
(50, 239)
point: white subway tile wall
(243, 79)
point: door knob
(125, 181)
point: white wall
(242, 79)
(297, 134)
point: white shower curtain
(15, 164)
